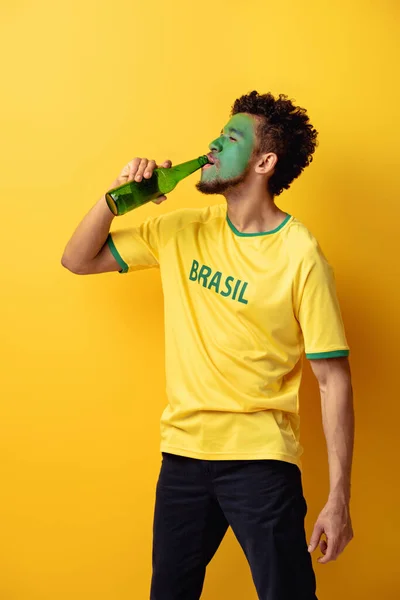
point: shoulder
(301, 243)
(306, 254)
(175, 220)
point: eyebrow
(232, 130)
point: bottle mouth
(111, 204)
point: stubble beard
(221, 186)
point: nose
(216, 145)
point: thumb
(316, 536)
(124, 175)
(160, 199)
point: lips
(211, 158)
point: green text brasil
(225, 286)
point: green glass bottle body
(130, 195)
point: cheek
(236, 159)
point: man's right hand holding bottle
(138, 169)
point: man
(247, 289)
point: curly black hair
(284, 129)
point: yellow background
(87, 86)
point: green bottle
(130, 195)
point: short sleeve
(317, 308)
(136, 248)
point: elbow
(73, 268)
(65, 263)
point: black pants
(262, 500)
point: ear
(266, 163)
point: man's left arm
(334, 379)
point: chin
(215, 186)
(220, 186)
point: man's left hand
(334, 521)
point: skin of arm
(88, 238)
(334, 380)
(86, 252)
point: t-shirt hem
(231, 456)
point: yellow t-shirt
(240, 309)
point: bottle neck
(192, 165)
(185, 169)
(169, 178)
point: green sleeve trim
(116, 255)
(334, 354)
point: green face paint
(232, 151)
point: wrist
(339, 497)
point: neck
(252, 209)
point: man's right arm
(87, 251)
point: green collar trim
(239, 233)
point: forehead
(242, 122)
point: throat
(248, 223)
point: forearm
(89, 237)
(338, 423)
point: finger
(316, 536)
(331, 553)
(327, 558)
(141, 169)
(125, 172)
(323, 546)
(167, 164)
(160, 199)
(150, 168)
(133, 167)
